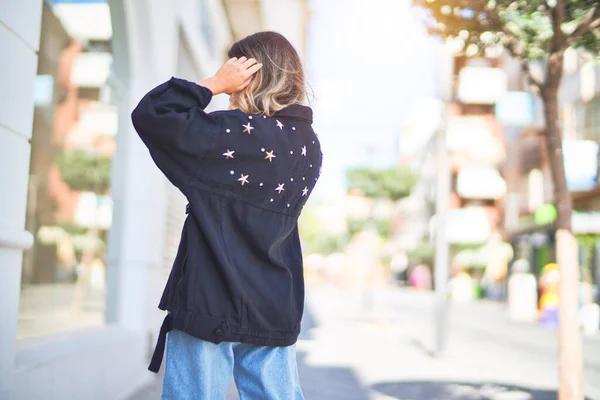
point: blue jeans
(200, 370)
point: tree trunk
(569, 338)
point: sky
(368, 62)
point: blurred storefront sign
(481, 85)
(91, 70)
(515, 110)
(470, 225)
(586, 222)
(581, 164)
(480, 183)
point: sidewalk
(353, 349)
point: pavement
(378, 345)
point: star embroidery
(270, 156)
(279, 124)
(228, 153)
(304, 191)
(280, 188)
(243, 179)
(248, 128)
(304, 151)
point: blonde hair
(279, 83)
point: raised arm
(171, 120)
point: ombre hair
(280, 81)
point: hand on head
(233, 76)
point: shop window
(69, 208)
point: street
(358, 347)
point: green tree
(536, 30)
(393, 183)
(84, 171)
(379, 184)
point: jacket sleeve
(171, 121)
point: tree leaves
(530, 22)
(84, 171)
(392, 184)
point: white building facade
(152, 41)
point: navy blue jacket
(238, 274)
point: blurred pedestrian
(549, 287)
(235, 295)
(399, 266)
(420, 277)
(498, 254)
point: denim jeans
(200, 370)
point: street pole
(441, 241)
(442, 194)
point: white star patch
(304, 151)
(244, 179)
(270, 156)
(280, 188)
(304, 191)
(279, 124)
(248, 128)
(228, 153)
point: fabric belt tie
(159, 350)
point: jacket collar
(296, 111)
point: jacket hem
(216, 331)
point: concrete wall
(19, 40)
